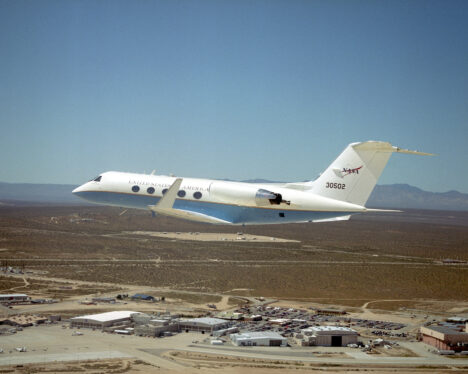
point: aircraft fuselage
(340, 191)
(233, 202)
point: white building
(266, 338)
(206, 324)
(102, 320)
(330, 336)
(13, 298)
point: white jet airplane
(339, 192)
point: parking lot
(289, 321)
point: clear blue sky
(231, 89)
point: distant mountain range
(38, 193)
(397, 196)
(406, 196)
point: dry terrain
(392, 260)
(408, 268)
(112, 366)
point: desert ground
(394, 256)
(405, 267)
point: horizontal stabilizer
(399, 150)
(386, 147)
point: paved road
(352, 356)
(49, 343)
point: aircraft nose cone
(78, 189)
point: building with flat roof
(329, 336)
(457, 319)
(13, 298)
(140, 296)
(102, 320)
(330, 312)
(230, 315)
(154, 330)
(445, 338)
(205, 324)
(259, 338)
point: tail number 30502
(338, 186)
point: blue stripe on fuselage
(231, 213)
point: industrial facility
(263, 338)
(14, 298)
(102, 320)
(203, 325)
(142, 324)
(147, 325)
(328, 336)
(445, 338)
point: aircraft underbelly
(226, 212)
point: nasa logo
(347, 171)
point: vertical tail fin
(354, 174)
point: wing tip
(370, 210)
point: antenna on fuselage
(153, 172)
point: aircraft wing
(187, 214)
(384, 210)
(345, 218)
(166, 203)
(334, 219)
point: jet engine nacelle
(239, 193)
(265, 198)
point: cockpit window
(98, 179)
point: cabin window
(150, 190)
(281, 214)
(181, 193)
(97, 179)
(164, 191)
(197, 195)
(135, 188)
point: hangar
(264, 338)
(330, 336)
(13, 298)
(445, 338)
(102, 320)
